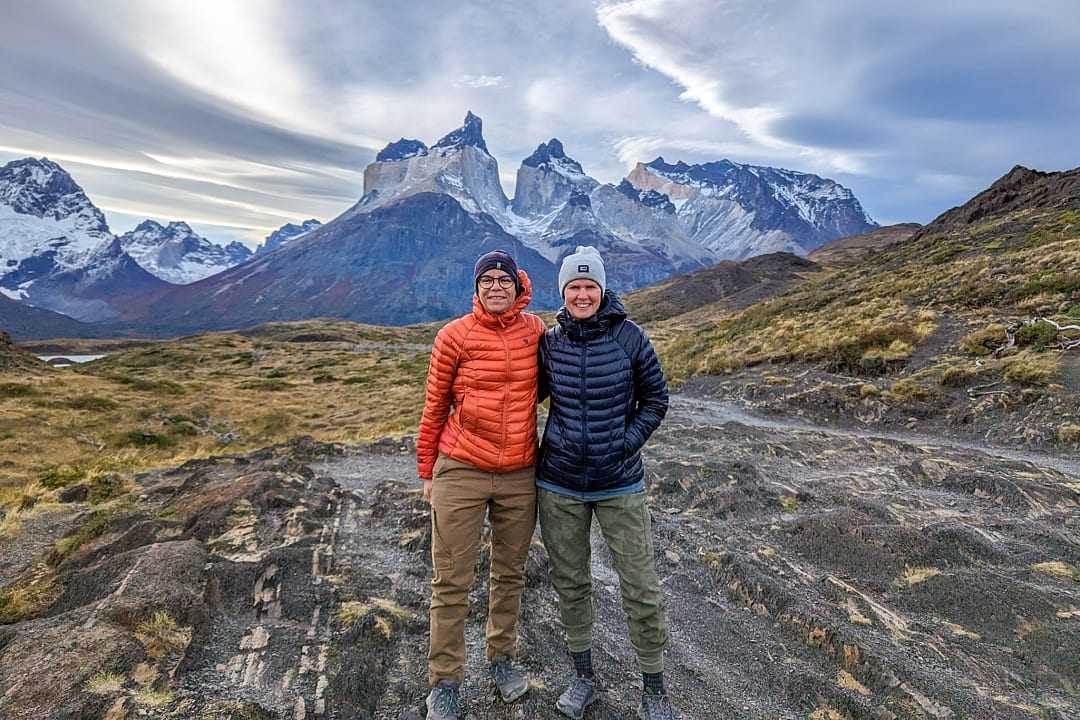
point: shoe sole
(580, 715)
(514, 693)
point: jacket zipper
(584, 413)
(506, 396)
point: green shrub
(16, 390)
(266, 385)
(160, 387)
(91, 402)
(146, 439)
(61, 476)
(1037, 335)
(323, 378)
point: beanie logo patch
(498, 265)
(583, 268)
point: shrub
(876, 344)
(266, 385)
(160, 387)
(985, 341)
(16, 390)
(1037, 335)
(146, 439)
(61, 476)
(869, 390)
(91, 402)
(956, 376)
(906, 390)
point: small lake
(72, 359)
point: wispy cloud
(481, 81)
(243, 114)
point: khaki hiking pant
(566, 526)
(461, 497)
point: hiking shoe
(655, 707)
(444, 701)
(580, 694)
(508, 678)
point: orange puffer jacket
(484, 366)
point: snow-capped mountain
(56, 250)
(176, 254)
(458, 165)
(285, 234)
(738, 210)
(46, 222)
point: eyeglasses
(505, 282)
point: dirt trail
(807, 573)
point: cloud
(242, 114)
(481, 81)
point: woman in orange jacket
(476, 455)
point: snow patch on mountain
(178, 255)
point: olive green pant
(565, 525)
(461, 497)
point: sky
(238, 116)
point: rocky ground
(809, 573)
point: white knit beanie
(584, 264)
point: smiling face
(582, 298)
(496, 299)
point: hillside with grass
(973, 320)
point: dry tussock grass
(159, 404)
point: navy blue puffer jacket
(608, 395)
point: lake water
(72, 358)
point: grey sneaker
(444, 701)
(655, 707)
(580, 694)
(508, 678)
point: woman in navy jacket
(608, 395)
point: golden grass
(105, 683)
(1057, 568)
(148, 697)
(916, 575)
(160, 635)
(159, 404)
(873, 316)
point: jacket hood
(503, 319)
(611, 311)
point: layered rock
(458, 165)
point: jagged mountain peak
(471, 133)
(40, 187)
(287, 233)
(552, 155)
(402, 149)
(177, 254)
(649, 198)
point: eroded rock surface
(808, 573)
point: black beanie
(496, 260)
